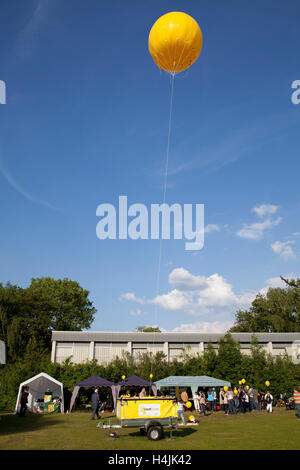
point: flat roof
(116, 336)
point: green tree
(148, 329)
(28, 316)
(229, 359)
(277, 311)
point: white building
(104, 346)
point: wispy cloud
(32, 27)
(256, 231)
(5, 173)
(284, 250)
(265, 209)
(241, 142)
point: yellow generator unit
(149, 413)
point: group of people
(232, 401)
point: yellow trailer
(151, 414)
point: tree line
(28, 316)
(228, 364)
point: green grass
(253, 431)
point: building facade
(104, 346)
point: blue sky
(86, 120)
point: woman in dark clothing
(24, 401)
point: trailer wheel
(155, 433)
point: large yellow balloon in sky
(175, 41)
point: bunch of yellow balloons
(175, 41)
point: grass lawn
(252, 431)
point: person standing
(246, 401)
(196, 399)
(95, 401)
(24, 401)
(203, 403)
(255, 399)
(296, 395)
(269, 401)
(251, 398)
(180, 411)
(210, 398)
(231, 404)
(221, 398)
(225, 399)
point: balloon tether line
(172, 76)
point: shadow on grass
(13, 424)
(182, 432)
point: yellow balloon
(267, 383)
(243, 381)
(123, 377)
(240, 382)
(175, 41)
(225, 388)
(247, 387)
(188, 404)
(235, 392)
(191, 418)
(151, 376)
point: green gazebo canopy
(192, 381)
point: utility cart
(150, 414)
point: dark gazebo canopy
(93, 381)
(134, 381)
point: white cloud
(131, 296)
(265, 209)
(174, 300)
(199, 295)
(256, 231)
(284, 250)
(136, 313)
(204, 327)
(211, 228)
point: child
(196, 402)
(269, 401)
(180, 411)
(203, 403)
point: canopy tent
(93, 381)
(191, 381)
(38, 385)
(133, 381)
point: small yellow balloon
(123, 377)
(267, 383)
(175, 41)
(243, 381)
(240, 382)
(188, 404)
(247, 387)
(225, 388)
(235, 392)
(151, 376)
(191, 418)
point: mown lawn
(253, 431)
